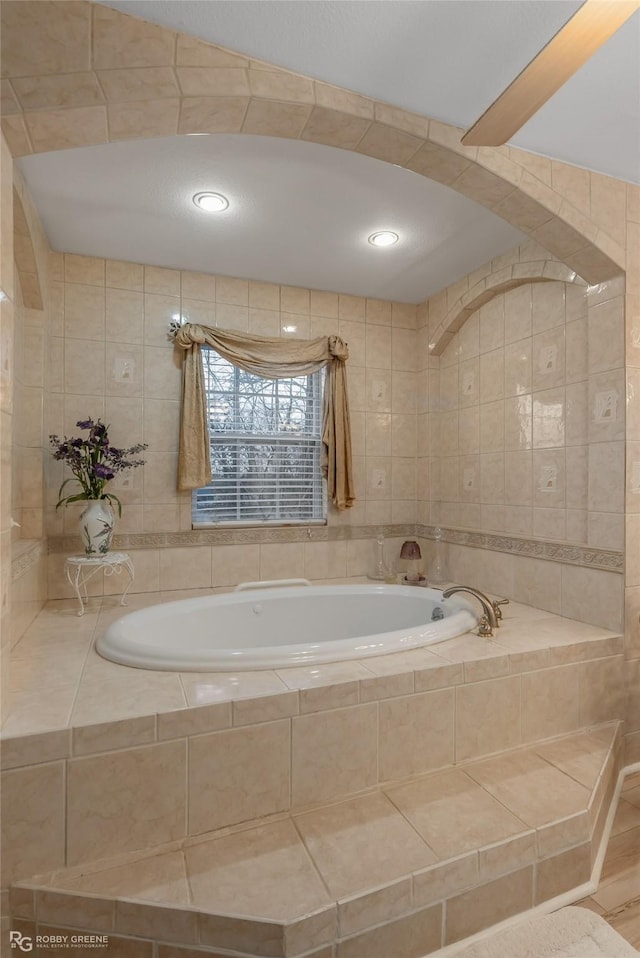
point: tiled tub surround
(400, 870)
(567, 579)
(102, 761)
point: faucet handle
(484, 628)
(496, 607)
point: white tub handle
(269, 584)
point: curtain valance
(271, 358)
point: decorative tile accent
(27, 559)
(537, 548)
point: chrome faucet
(491, 610)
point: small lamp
(410, 553)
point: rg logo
(18, 940)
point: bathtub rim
(115, 645)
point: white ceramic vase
(97, 523)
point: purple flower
(92, 461)
(102, 472)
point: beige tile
(207, 688)
(565, 833)
(123, 275)
(106, 736)
(212, 114)
(160, 878)
(453, 814)
(281, 560)
(31, 712)
(92, 913)
(443, 880)
(279, 85)
(334, 128)
(22, 902)
(224, 767)
(272, 118)
(562, 872)
(487, 717)
(65, 128)
(325, 686)
(362, 911)
(601, 690)
(171, 924)
(532, 789)
(34, 749)
(333, 753)
(490, 903)
(234, 564)
(265, 708)
(123, 41)
(53, 41)
(550, 703)
(245, 935)
(403, 938)
(138, 84)
(415, 734)
(264, 872)
(581, 756)
(507, 856)
(186, 568)
(111, 692)
(125, 800)
(386, 687)
(32, 821)
(361, 844)
(192, 721)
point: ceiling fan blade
(587, 30)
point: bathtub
(283, 627)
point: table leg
(74, 582)
(128, 565)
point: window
(265, 437)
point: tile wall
(110, 356)
(527, 416)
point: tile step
(403, 870)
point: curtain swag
(274, 359)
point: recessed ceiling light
(211, 202)
(383, 238)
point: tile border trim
(568, 553)
(28, 558)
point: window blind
(265, 442)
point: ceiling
(299, 212)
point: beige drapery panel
(274, 359)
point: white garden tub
(285, 626)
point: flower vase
(97, 523)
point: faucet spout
(488, 609)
